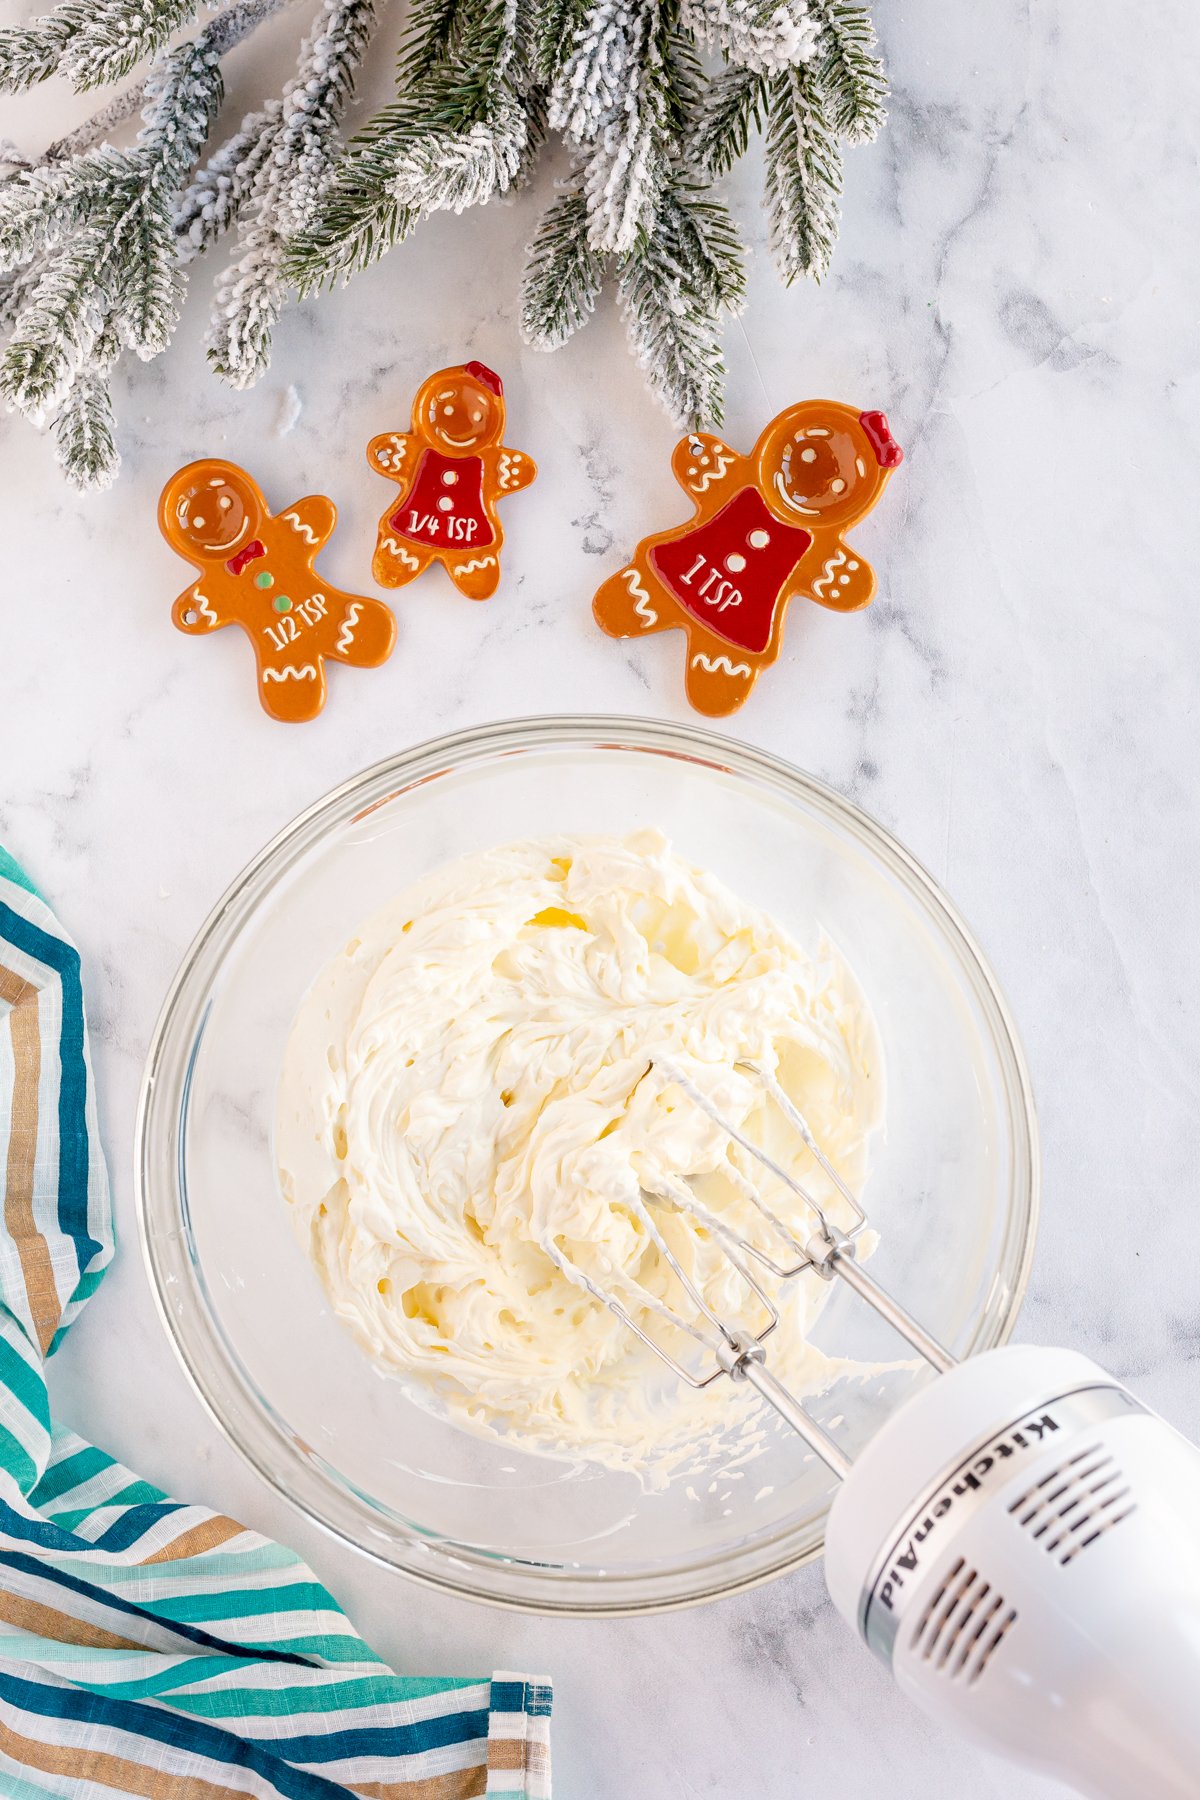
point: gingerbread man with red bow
(256, 571)
(766, 528)
(452, 468)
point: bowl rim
(158, 1142)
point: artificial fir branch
(83, 427)
(451, 128)
(108, 245)
(89, 41)
(851, 77)
(728, 110)
(674, 286)
(221, 186)
(564, 274)
(94, 241)
(292, 163)
(766, 35)
(804, 176)
(30, 53)
(112, 38)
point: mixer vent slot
(963, 1625)
(1075, 1504)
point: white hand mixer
(1019, 1543)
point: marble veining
(1016, 286)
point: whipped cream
(473, 1126)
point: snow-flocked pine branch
(291, 159)
(654, 100)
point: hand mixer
(1019, 1543)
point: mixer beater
(1019, 1543)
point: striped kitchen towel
(149, 1647)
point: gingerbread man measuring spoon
(766, 527)
(256, 571)
(452, 468)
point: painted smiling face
(821, 465)
(460, 412)
(211, 515)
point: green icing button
(282, 603)
(264, 580)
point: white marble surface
(1016, 285)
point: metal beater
(1018, 1542)
(829, 1251)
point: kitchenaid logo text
(969, 1480)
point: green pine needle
(30, 53)
(804, 176)
(673, 287)
(114, 37)
(84, 440)
(850, 77)
(727, 110)
(93, 249)
(563, 277)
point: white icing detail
(205, 610)
(445, 503)
(713, 663)
(346, 634)
(509, 463)
(860, 465)
(838, 485)
(827, 573)
(723, 456)
(760, 539)
(401, 554)
(641, 599)
(449, 478)
(808, 456)
(291, 673)
(297, 524)
(852, 565)
(478, 562)
(735, 563)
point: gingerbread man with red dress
(766, 528)
(452, 468)
(256, 571)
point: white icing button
(445, 503)
(852, 565)
(808, 456)
(760, 539)
(843, 581)
(449, 478)
(838, 486)
(735, 563)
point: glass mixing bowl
(952, 1190)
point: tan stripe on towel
(48, 1622)
(199, 1538)
(112, 1771)
(455, 1784)
(19, 1221)
(517, 1753)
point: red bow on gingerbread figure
(766, 528)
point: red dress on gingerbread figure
(766, 527)
(256, 571)
(452, 468)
